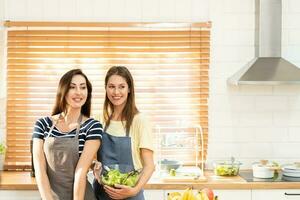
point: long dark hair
(130, 109)
(63, 88)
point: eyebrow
(80, 84)
(117, 84)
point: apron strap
(78, 126)
(54, 122)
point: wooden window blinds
(169, 63)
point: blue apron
(115, 150)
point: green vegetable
(226, 170)
(172, 172)
(113, 177)
(2, 148)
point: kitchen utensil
(106, 168)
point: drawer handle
(292, 194)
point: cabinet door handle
(292, 194)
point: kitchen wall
(248, 122)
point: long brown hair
(130, 109)
(63, 88)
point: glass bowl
(226, 168)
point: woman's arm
(89, 151)
(125, 191)
(148, 168)
(41, 176)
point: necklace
(68, 126)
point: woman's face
(77, 94)
(117, 90)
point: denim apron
(115, 150)
(62, 156)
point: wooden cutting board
(184, 179)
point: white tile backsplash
(68, 10)
(36, 11)
(101, 10)
(290, 22)
(254, 150)
(286, 150)
(293, 37)
(150, 10)
(293, 6)
(183, 10)
(255, 90)
(116, 10)
(85, 9)
(237, 6)
(294, 134)
(248, 122)
(288, 90)
(255, 119)
(133, 11)
(16, 9)
(167, 10)
(235, 21)
(200, 10)
(234, 37)
(271, 103)
(233, 53)
(2, 9)
(51, 10)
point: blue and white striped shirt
(91, 129)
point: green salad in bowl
(226, 168)
(112, 177)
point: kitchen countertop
(23, 181)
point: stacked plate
(291, 172)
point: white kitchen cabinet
(234, 194)
(288, 194)
(154, 194)
(20, 194)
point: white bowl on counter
(264, 170)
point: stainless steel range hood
(268, 68)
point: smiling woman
(170, 65)
(65, 143)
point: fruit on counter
(187, 194)
(209, 193)
(174, 196)
(201, 196)
(114, 176)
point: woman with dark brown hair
(127, 138)
(65, 143)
